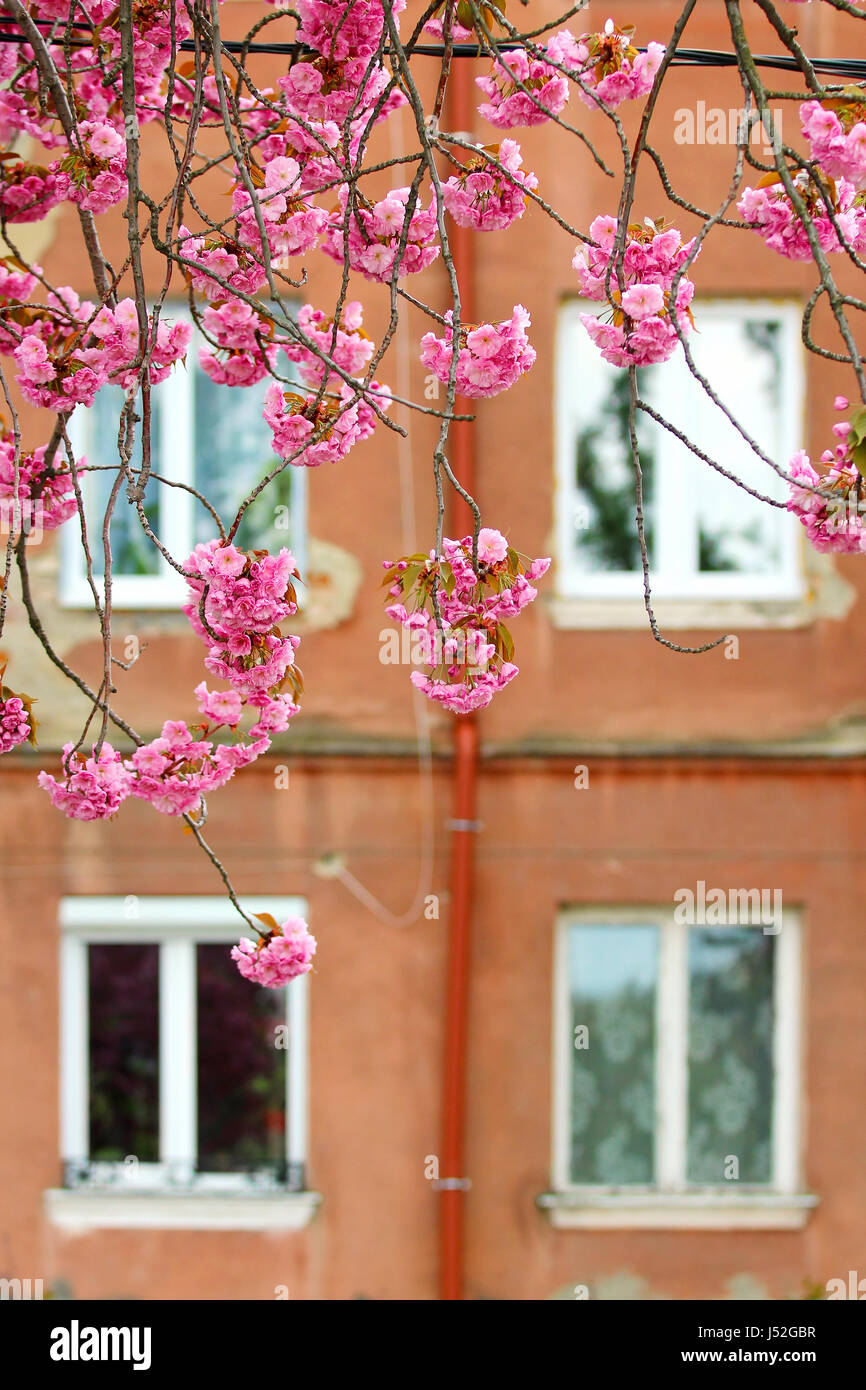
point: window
(706, 538)
(677, 1068)
(176, 1073)
(210, 437)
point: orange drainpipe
(453, 1183)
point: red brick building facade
(613, 774)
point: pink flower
(522, 90)
(465, 644)
(15, 719)
(492, 357)
(638, 328)
(482, 197)
(147, 760)
(772, 214)
(28, 191)
(492, 546)
(838, 139)
(374, 235)
(279, 956)
(608, 64)
(223, 706)
(295, 420)
(345, 344)
(228, 561)
(835, 521)
(641, 301)
(105, 142)
(93, 788)
(33, 360)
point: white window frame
(177, 925)
(166, 589)
(671, 579)
(671, 1200)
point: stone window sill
(695, 614)
(684, 1211)
(78, 1211)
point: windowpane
(736, 532)
(124, 1051)
(730, 1053)
(697, 522)
(233, 452)
(604, 473)
(212, 437)
(132, 553)
(612, 980)
(241, 1070)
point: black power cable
(851, 68)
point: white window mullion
(177, 403)
(676, 557)
(787, 988)
(562, 1062)
(296, 1072)
(74, 1057)
(671, 1057)
(177, 1057)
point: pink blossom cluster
(832, 523)
(18, 114)
(94, 175)
(342, 29)
(525, 90)
(348, 346)
(236, 602)
(263, 667)
(14, 722)
(770, 211)
(641, 329)
(490, 359)
(345, 80)
(610, 66)
(376, 231)
(217, 264)
(482, 197)
(314, 146)
(69, 352)
(90, 73)
(278, 956)
(471, 651)
(118, 333)
(16, 282)
(174, 771)
(93, 788)
(47, 493)
(838, 139)
(339, 424)
(27, 191)
(244, 348)
(17, 724)
(292, 226)
(324, 91)
(242, 593)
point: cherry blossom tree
(80, 78)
